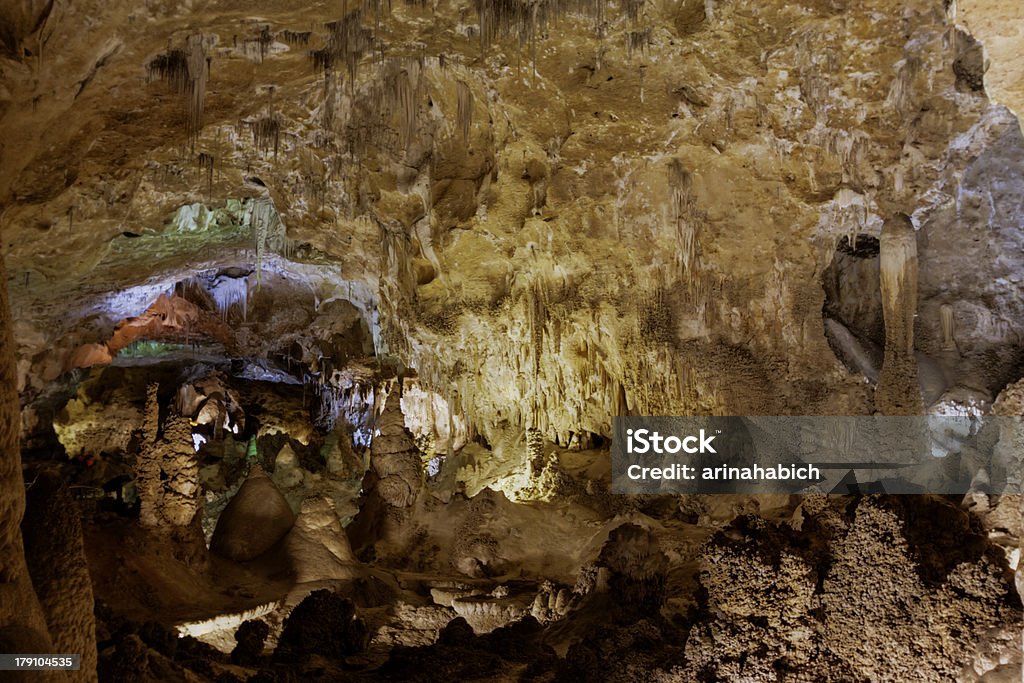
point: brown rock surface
(254, 521)
(525, 217)
(56, 559)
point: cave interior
(315, 319)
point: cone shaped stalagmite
(317, 545)
(393, 481)
(898, 391)
(255, 519)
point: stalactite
(205, 162)
(464, 108)
(638, 41)
(261, 43)
(947, 321)
(901, 92)
(524, 20)
(266, 133)
(187, 72)
(686, 219)
(347, 41)
(406, 90)
(295, 37)
(171, 67)
(631, 8)
(231, 291)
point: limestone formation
(828, 620)
(254, 521)
(22, 621)
(393, 481)
(167, 482)
(898, 388)
(317, 546)
(355, 292)
(56, 559)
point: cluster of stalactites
(385, 114)
(851, 214)
(526, 20)
(231, 291)
(352, 404)
(561, 374)
(687, 221)
(347, 42)
(187, 71)
(266, 133)
(638, 41)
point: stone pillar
(391, 484)
(167, 479)
(899, 392)
(55, 553)
(21, 617)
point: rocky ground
(480, 570)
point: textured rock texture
(445, 243)
(591, 255)
(22, 621)
(56, 559)
(861, 615)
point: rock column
(22, 623)
(55, 553)
(899, 391)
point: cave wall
(541, 268)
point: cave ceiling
(547, 216)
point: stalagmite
(167, 479)
(56, 558)
(898, 390)
(257, 517)
(393, 482)
(22, 623)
